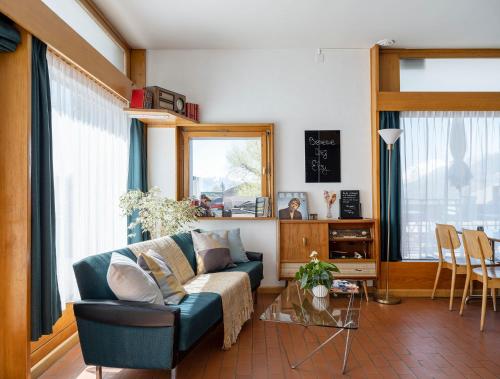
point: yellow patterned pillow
(171, 254)
(171, 289)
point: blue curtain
(390, 120)
(9, 35)
(45, 299)
(137, 171)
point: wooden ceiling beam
(42, 22)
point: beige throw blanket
(236, 293)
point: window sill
(236, 218)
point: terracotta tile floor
(418, 339)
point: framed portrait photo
(292, 206)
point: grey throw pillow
(236, 248)
(130, 282)
(212, 252)
(171, 289)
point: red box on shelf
(141, 98)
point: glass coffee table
(339, 311)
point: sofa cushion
(91, 273)
(185, 242)
(171, 254)
(129, 281)
(254, 269)
(236, 247)
(170, 287)
(212, 252)
(199, 312)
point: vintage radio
(339, 234)
(165, 99)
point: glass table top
(340, 309)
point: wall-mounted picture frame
(292, 206)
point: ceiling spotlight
(386, 42)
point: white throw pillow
(130, 282)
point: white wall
(162, 160)
(286, 87)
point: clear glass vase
(328, 212)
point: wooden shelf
(236, 218)
(351, 239)
(159, 117)
(330, 221)
(351, 260)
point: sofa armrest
(126, 313)
(254, 256)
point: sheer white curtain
(450, 171)
(90, 154)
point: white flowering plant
(156, 214)
(316, 273)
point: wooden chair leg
(483, 305)
(452, 291)
(468, 282)
(98, 372)
(365, 289)
(494, 299)
(471, 289)
(437, 279)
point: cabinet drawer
(356, 270)
(353, 270)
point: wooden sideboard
(335, 241)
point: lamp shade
(390, 136)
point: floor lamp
(390, 136)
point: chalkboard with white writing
(350, 207)
(322, 148)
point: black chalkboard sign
(350, 207)
(322, 148)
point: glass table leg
(347, 350)
(295, 365)
(282, 345)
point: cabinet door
(298, 240)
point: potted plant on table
(316, 275)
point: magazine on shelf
(262, 208)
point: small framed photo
(292, 206)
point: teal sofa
(124, 334)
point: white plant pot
(320, 291)
(321, 303)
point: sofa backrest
(185, 242)
(91, 272)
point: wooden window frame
(415, 278)
(39, 20)
(386, 96)
(186, 133)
